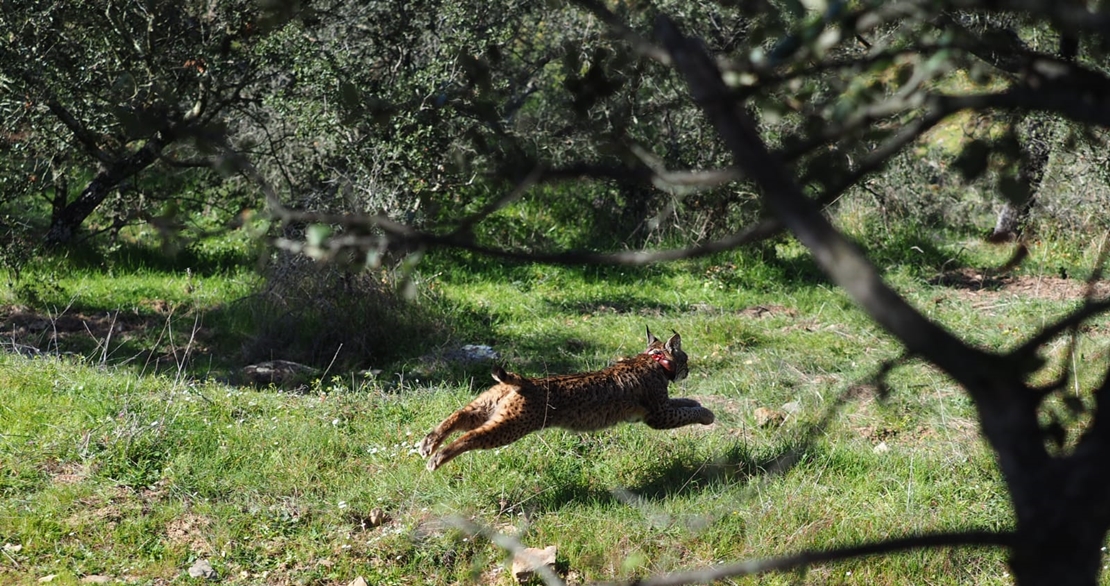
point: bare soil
(974, 283)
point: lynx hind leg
(677, 413)
(492, 434)
(509, 422)
(465, 419)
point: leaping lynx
(631, 390)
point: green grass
(107, 469)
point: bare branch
(664, 179)
(86, 138)
(464, 227)
(808, 558)
(1002, 51)
(404, 236)
(507, 542)
(1022, 354)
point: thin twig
(506, 542)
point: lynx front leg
(492, 434)
(677, 413)
(464, 419)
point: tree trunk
(65, 221)
(1035, 150)
(1056, 557)
(1062, 507)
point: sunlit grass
(110, 471)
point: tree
(98, 96)
(826, 78)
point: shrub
(318, 314)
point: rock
(95, 579)
(529, 561)
(881, 448)
(360, 581)
(791, 407)
(377, 517)
(47, 578)
(472, 353)
(203, 569)
(13, 547)
(765, 417)
(283, 373)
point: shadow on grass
(151, 338)
(132, 257)
(329, 326)
(669, 476)
(915, 248)
(739, 464)
(742, 463)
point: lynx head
(668, 354)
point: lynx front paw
(434, 462)
(427, 446)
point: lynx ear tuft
(651, 339)
(674, 344)
(499, 374)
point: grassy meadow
(128, 450)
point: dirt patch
(66, 472)
(975, 283)
(769, 310)
(19, 322)
(189, 530)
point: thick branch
(1026, 352)
(1003, 50)
(84, 137)
(407, 236)
(837, 256)
(1006, 406)
(66, 221)
(640, 44)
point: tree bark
(66, 221)
(1035, 149)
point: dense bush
(324, 315)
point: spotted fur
(631, 390)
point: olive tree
(99, 95)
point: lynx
(634, 389)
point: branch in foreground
(640, 44)
(1022, 354)
(809, 558)
(506, 542)
(838, 257)
(401, 236)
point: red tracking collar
(663, 361)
